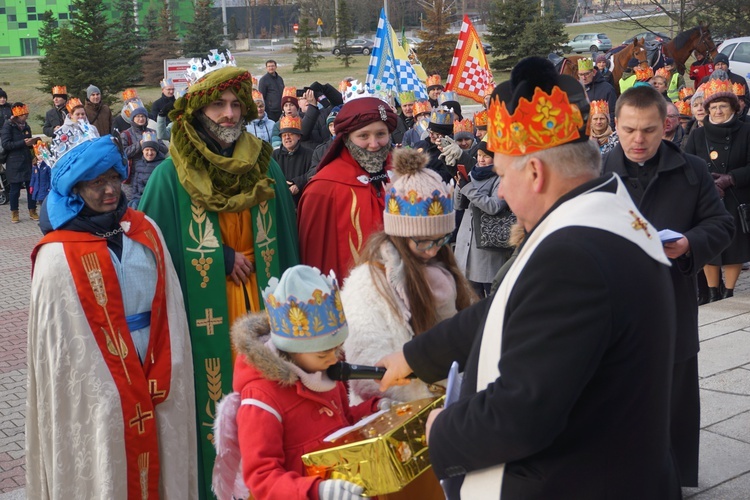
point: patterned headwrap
(85, 162)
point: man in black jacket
(271, 85)
(55, 117)
(294, 159)
(674, 191)
(166, 101)
(567, 367)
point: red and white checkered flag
(470, 75)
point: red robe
(336, 214)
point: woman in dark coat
(17, 141)
(724, 143)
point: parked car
(590, 42)
(487, 48)
(357, 46)
(650, 36)
(738, 52)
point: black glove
(166, 109)
(723, 181)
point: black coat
(18, 164)
(55, 117)
(272, 88)
(580, 410)
(295, 165)
(5, 113)
(159, 104)
(682, 197)
(731, 143)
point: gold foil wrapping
(383, 456)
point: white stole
(612, 212)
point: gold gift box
(383, 456)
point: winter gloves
(451, 151)
(722, 182)
(338, 489)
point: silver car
(590, 42)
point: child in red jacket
(285, 403)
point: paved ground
(724, 370)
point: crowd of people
(185, 299)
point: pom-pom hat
(418, 203)
(305, 311)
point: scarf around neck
(602, 138)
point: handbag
(743, 210)
(492, 231)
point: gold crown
(684, 108)
(422, 107)
(600, 106)
(547, 121)
(480, 118)
(289, 92)
(585, 64)
(738, 89)
(664, 73)
(434, 80)
(407, 97)
(59, 90)
(644, 74)
(686, 92)
(73, 103)
(716, 86)
(20, 110)
(257, 96)
(290, 122)
(129, 94)
(464, 125)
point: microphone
(344, 371)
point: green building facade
(21, 20)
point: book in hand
(668, 236)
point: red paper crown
(644, 74)
(73, 103)
(686, 92)
(287, 122)
(257, 96)
(254, 81)
(344, 84)
(422, 107)
(434, 80)
(599, 107)
(717, 86)
(59, 90)
(480, 118)
(40, 148)
(547, 121)
(738, 89)
(664, 73)
(129, 94)
(289, 92)
(464, 125)
(20, 110)
(684, 108)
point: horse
(681, 46)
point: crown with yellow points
(683, 107)
(441, 116)
(664, 73)
(585, 64)
(464, 125)
(59, 90)
(600, 106)
(20, 110)
(547, 121)
(644, 74)
(289, 92)
(73, 103)
(422, 107)
(686, 92)
(716, 88)
(407, 97)
(129, 95)
(198, 67)
(480, 119)
(434, 81)
(254, 81)
(447, 96)
(148, 136)
(257, 96)
(290, 124)
(738, 89)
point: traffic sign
(320, 22)
(296, 28)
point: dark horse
(681, 46)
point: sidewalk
(724, 370)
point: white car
(738, 52)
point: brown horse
(618, 61)
(681, 46)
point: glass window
(11, 18)
(728, 49)
(22, 26)
(62, 15)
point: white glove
(338, 489)
(451, 151)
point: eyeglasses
(424, 245)
(582, 75)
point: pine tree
(163, 44)
(129, 41)
(305, 48)
(542, 35)
(87, 52)
(437, 59)
(206, 32)
(345, 34)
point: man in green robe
(229, 223)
